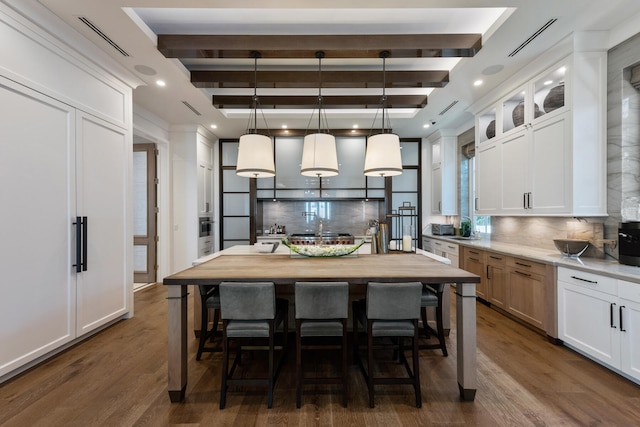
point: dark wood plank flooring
(118, 378)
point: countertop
(607, 267)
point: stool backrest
(393, 301)
(247, 300)
(322, 300)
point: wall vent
(533, 36)
(102, 35)
(447, 108)
(189, 106)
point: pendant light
(319, 157)
(255, 151)
(383, 150)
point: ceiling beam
(329, 102)
(305, 46)
(310, 79)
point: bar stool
(250, 311)
(322, 309)
(432, 297)
(389, 310)
(209, 300)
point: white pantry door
(37, 203)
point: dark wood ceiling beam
(309, 79)
(328, 102)
(305, 46)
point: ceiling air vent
(102, 35)
(533, 36)
(447, 108)
(190, 107)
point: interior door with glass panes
(144, 214)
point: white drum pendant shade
(319, 156)
(255, 157)
(383, 155)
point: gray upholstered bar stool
(432, 297)
(390, 310)
(209, 300)
(250, 311)
(322, 310)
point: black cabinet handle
(524, 200)
(523, 265)
(81, 244)
(84, 243)
(584, 280)
(522, 274)
(622, 329)
(78, 264)
(488, 272)
(611, 315)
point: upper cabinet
(545, 156)
(205, 178)
(444, 175)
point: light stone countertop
(607, 267)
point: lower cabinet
(474, 262)
(600, 317)
(526, 292)
(496, 283)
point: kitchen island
(284, 271)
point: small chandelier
(255, 151)
(383, 150)
(319, 157)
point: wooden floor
(119, 378)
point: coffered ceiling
(203, 50)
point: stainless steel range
(324, 239)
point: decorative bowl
(571, 247)
(264, 247)
(322, 250)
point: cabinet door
(436, 190)
(514, 175)
(488, 179)
(525, 296)
(551, 167)
(103, 164)
(474, 263)
(496, 280)
(201, 189)
(585, 322)
(629, 324)
(37, 189)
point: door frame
(151, 239)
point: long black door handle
(611, 315)
(622, 329)
(84, 243)
(78, 264)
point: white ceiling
(504, 24)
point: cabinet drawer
(629, 290)
(495, 259)
(451, 249)
(526, 265)
(604, 284)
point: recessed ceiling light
(161, 83)
(214, 126)
(562, 70)
(284, 126)
(548, 82)
(426, 125)
(477, 83)
(355, 126)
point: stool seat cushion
(321, 328)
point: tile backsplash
(348, 216)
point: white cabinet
(548, 155)
(447, 250)
(444, 168)
(57, 164)
(600, 316)
(205, 179)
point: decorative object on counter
(382, 157)
(554, 99)
(319, 156)
(322, 250)
(382, 239)
(629, 243)
(465, 228)
(408, 220)
(491, 129)
(571, 247)
(255, 151)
